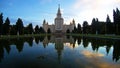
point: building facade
(58, 26)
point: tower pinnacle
(59, 12)
(59, 5)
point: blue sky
(35, 11)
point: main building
(58, 26)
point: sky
(35, 11)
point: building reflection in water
(59, 47)
(60, 43)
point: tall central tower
(59, 21)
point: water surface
(59, 52)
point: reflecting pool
(59, 52)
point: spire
(59, 12)
(58, 5)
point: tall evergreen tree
(42, 30)
(6, 26)
(75, 30)
(78, 28)
(85, 27)
(13, 30)
(30, 28)
(19, 26)
(37, 29)
(94, 25)
(109, 25)
(116, 18)
(1, 23)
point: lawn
(82, 35)
(97, 36)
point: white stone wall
(52, 28)
(64, 29)
(45, 27)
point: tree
(48, 31)
(1, 23)
(94, 26)
(37, 29)
(85, 27)
(30, 28)
(116, 18)
(78, 28)
(6, 26)
(19, 26)
(42, 30)
(75, 30)
(68, 31)
(109, 26)
(13, 30)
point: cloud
(94, 4)
(89, 54)
(87, 9)
(95, 60)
